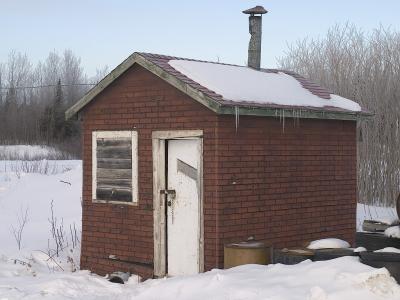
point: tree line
(364, 67)
(34, 97)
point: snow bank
(393, 232)
(338, 279)
(343, 278)
(386, 215)
(34, 282)
(239, 83)
(330, 243)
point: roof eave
(302, 113)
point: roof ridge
(161, 56)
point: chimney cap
(256, 10)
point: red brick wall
(287, 183)
(284, 187)
(141, 101)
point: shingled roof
(162, 66)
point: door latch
(168, 192)
(171, 194)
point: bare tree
(17, 231)
(1, 82)
(27, 91)
(100, 74)
(364, 67)
(71, 76)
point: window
(115, 166)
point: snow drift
(341, 279)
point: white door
(183, 215)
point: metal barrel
(236, 254)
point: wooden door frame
(159, 227)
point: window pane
(114, 169)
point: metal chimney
(255, 28)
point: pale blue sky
(106, 32)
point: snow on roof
(222, 88)
(243, 84)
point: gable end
(151, 67)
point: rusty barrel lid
(246, 245)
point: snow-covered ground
(35, 272)
(39, 198)
(342, 278)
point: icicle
(283, 121)
(236, 117)
(296, 116)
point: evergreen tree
(54, 127)
(58, 113)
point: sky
(106, 32)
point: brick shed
(182, 156)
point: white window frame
(135, 185)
